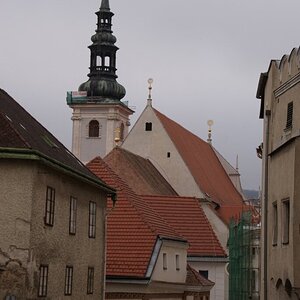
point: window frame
(69, 280)
(92, 219)
(43, 280)
(286, 218)
(73, 215)
(90, 280)
(94, 129)
(50, 206)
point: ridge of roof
(138, 172)
(203, 164)
(186, 216)
(25, 132)
(133, 227)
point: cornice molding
(287, 85)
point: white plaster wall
(171, 248)
(155, 145)
(216, 273)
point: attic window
(148, 126)
(168, 154)
(289, 115)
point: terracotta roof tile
(194, 278)
(138, 172)
(187, 217)
(204, 165)
(133, 227)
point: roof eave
(30, 154)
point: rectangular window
(204, 273)
(68, 280)
(73, 214)
(289, 115)
(92, 220)
(285, 221)
(43, 281)
(275, 224)
(177, 262)
(90, 281)
(165, 262)
(50, 205)
(148, 126)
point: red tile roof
(204, 166)
(186, 216)
(194, 278)
(133, 227)
(138, 172)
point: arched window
(94, 128)
(122, 132)
(99, 61)
(107, 61)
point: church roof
(138, 172)
(21, 136)
(204, 166)
(133, 227)
(187, 217)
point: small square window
(50, 205)
(148, 126)
(204, 273)
(43, 281)
(90, 281)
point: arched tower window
(94, 128)
(107, 61)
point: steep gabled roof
(186, 216)
(21, 136)
(133, 227)
(138, 172)
(203, 164)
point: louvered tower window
(289, 115)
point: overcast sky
(205, 58)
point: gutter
(29, 154)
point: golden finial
(150, 81)
(210, 123)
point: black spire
(102, 81)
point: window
(90, 281)
(204, 273)
(165, 262)
(168, 154)
(148, 126)
(253, 281)
(289, 115)
(68, 280)
(99, 60)
(177, 262)
(73, 214)
(275, 224)
(285, 221)
(107, 61)
(94, 128)
(43, 281)
(92, 220)
(50, 204)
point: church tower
(100, 118)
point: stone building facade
(52, 216)
(279, 91)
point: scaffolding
(243, 244)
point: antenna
(210, 123)
(149, 101)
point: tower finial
(105, 5)
(149, 101)
(210, 123)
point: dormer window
(94, 128)
(148, 126)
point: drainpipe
(266, 196)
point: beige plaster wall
(155, 145)
(53, 246)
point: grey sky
(205, 58)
